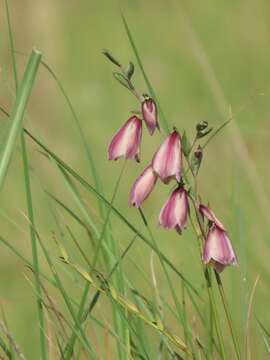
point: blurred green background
(205, 60)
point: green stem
(42, 326)
(228, 315)
(100, 240)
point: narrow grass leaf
(17, 112)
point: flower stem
(228, 315)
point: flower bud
(174, 212)
(209, 214)
(130, 70)
(149, 111)
(110, 57)
(196, 159)
(218, 250)
(126, 142)
(202, 130)
(142, 187)
(167, 161)
(202, 125)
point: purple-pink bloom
(209, 214)
(174, 212)
(149, 111)
(218, 250)
(126, 142)
(142, 187)
(167, 161)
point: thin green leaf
(17, 112)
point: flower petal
(142, 187)
(175, 210)
(167, 160)
(126, 142)
(209, 214)
(218, 248)
(149, 111)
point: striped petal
(209, 214)
(126, 142)
(218, 249)
(167, 160)
(149, 111)
(175, 210)
(142, 187)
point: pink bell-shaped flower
(149, 111)
(126, 142)
(142, 187)
(167, 161)
(218, 250)
(174, 212)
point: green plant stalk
(215, 314)
(42, 325)
(184, 310)
(42, 331)
(107, 219)
(228, 315)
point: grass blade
(42, 332)
(17, 112)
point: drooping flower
(174, 212)
(142, 187)
(218, 250)
(149, 111)
(167, 161)
(126, 142)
